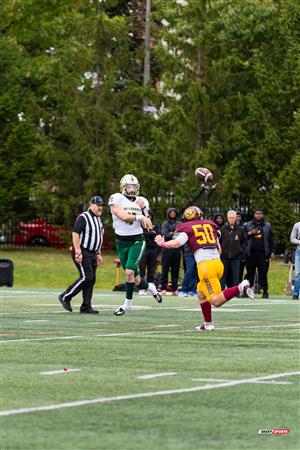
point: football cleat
(120, 311)
(158, 297)
(207, 326)
(245, 288)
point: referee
(87, 238)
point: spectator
(170, 257)
(149, 258)
(232, 241)
(239, 221)
(190, 278)
(239, 218)
(260, 248)
(219, 219)
(295, 239)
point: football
(204, 174)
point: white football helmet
(129, 185)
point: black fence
(39, 233)
(35, 233)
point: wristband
(138, 217)
(162, 245)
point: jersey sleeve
(181, 237)
(79, 225)
(146, 203)
(114, 199)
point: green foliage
(71, 104)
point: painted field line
(55, 372)
(224, 310)
(258, 326)
(12, 412)
(252, 382)
(140, 333)
(209, 379)
(156, 375)
(36, 321)
(272, 382)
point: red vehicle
(41, 233)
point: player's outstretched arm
(174, 243)
(120, 212)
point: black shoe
(119, 312)
(65, 304)
(295, 297)
(88, 311)
(158, 297)
(265, 294)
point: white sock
(127, 304)
(152, 288)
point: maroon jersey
(201, 233)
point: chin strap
(132, 198)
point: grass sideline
(51, 268)
(253, 340)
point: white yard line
(209, 379)
(12, 412)
(36, 321)
(272, 382)
(255, 382)
(156, 375)
(140, 333)
(56, 372)
(224, 310)
(259, 326)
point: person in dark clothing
(149, 258)
(239, 221)
(87, 239)
(232, 241)
(260, 248)
(170, 257)
(219, 219)
(190, 277)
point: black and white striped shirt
(90, 228)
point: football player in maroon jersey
(202, 237)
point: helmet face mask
(192, 213)
(129, 185)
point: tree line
(75, 114)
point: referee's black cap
(97, 200)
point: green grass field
(200, 390)
(55, 269)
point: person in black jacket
(260, 248)
(149, 258)
(170, 257)
(219, 219)
(232, 241)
